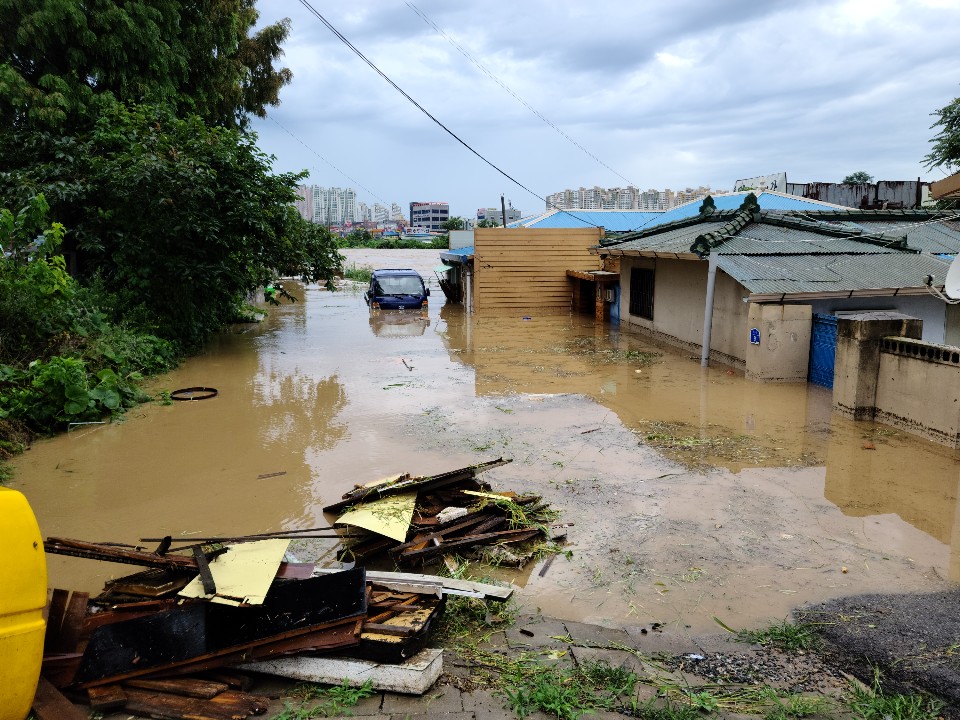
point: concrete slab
(536, 633)
(414, 677)
(485, 705)
(652, 642)
(442, 699)
(596, 635)
(434, 716)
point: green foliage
(49, 395)
(365, 239)
(874, 704)
(62, 63)
(454, 223)
(334, 701)
(61, 359)
(652, 709)
(946, 143)
(488, 223)
(180, 221)
(360, 274)
(795, 706)
(858, 178)
(783, 636)
(566, 693)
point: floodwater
(694, 494)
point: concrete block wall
(885, 372)
(918, 389)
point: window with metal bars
(641, 292)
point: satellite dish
(951, 286)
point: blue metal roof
(457, 256)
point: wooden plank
(486, 538)
(50, 704)
(228, 705)
(73, 621)
(56, 607)
(431, 582)
(190, 687)
(107, 697)
(233, 679)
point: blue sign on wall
(754, 336)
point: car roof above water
(396, 271)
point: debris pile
(419, 520)
(175, 639)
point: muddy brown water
(695, 494)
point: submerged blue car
(397, 289)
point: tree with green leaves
(946, 143)
(180, 220)
(454, 223)
(488, 223)
(62, 62)
(857, 178)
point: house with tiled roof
(761, 275)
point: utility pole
(503, 209)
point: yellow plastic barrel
(23, 596)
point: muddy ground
(695, 495)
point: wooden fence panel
(526, 269)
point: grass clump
(359, 274)
(566, 693)
(318, 701)
(784, 636)
(872, 703)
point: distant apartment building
(304, 202)
(429, 215)
(625, 198)
(330, 206)
(363, 214)
(496, 215)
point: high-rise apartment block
(328, 206)
(628, 198)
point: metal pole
(503, 209)
(708, 309)
(468, 287)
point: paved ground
(667, 658)
(913, 638)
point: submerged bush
(62, 359)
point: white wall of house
(928, 308)
(680, 289)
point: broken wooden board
(432, 584)
(406, 484)
(413, 677)
(50, 704)
(228, 705)
(398, 625)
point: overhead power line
(519, 99)
(288, 132)
(426, 112)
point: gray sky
(659, 95)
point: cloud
(683, 95)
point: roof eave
(837, 294)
